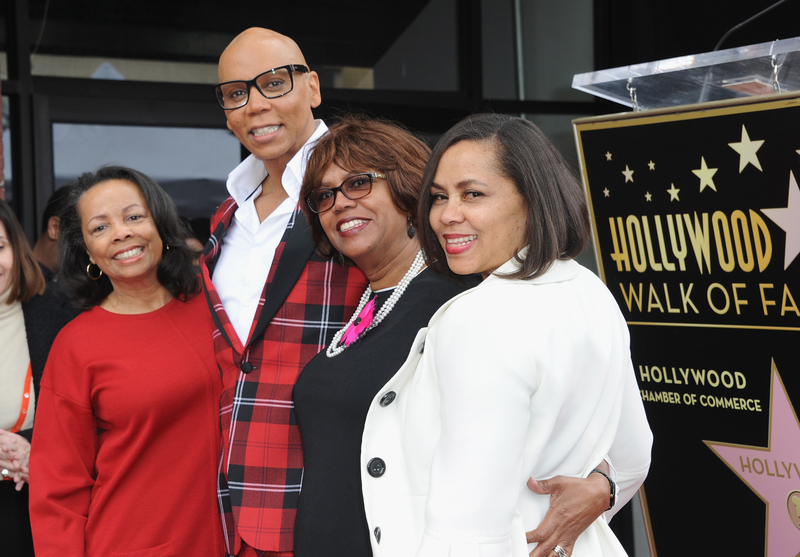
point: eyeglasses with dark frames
(355, 187)
(272, 84)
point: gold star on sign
(747, 151)
(606, 192)
(706, 175)
(648, 196)
(628, 174)
(608, 155)
(673, 193)
(652, 165)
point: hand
(7, 443)
(14, 455)
(21, 473)
(574, 504)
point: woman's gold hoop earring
(89, 274)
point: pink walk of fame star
(772, 472)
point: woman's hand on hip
(574, 504)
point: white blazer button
(376, 467)
(388, 398)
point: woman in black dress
(370, 221)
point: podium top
(760, 69)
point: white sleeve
(485, 389)
(630, 453)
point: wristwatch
(613, 487)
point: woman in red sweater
(124, 457)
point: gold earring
(89, 274)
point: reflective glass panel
(191, 164)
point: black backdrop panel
(697, 223)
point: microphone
(705, 89)
(745, 22)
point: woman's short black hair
(176, 270)
(558, 224)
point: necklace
(362, 320)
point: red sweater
(127, 437)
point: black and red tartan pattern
(261, 466)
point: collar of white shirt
(244, 182)
(250, 244)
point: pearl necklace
(337, 347)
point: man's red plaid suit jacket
(305, 301)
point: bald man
(275, 302)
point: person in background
(46, 247)
(194, 243)
(200, 229)
(30, 318)
(127, 435)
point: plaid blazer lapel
(296, 253)
(220, 223)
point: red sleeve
(63, 456)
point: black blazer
(45, 315)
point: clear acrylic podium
(759, 69)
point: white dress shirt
(249, 245)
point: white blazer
(512, 379)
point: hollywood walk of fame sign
(696, 214)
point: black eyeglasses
(355, 187)
(273, 83)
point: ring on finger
(5, 472)
(560, 551)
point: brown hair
(26, 276)
(359, 144)
(557, 223)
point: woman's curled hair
(176, 271)
(359, 144)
